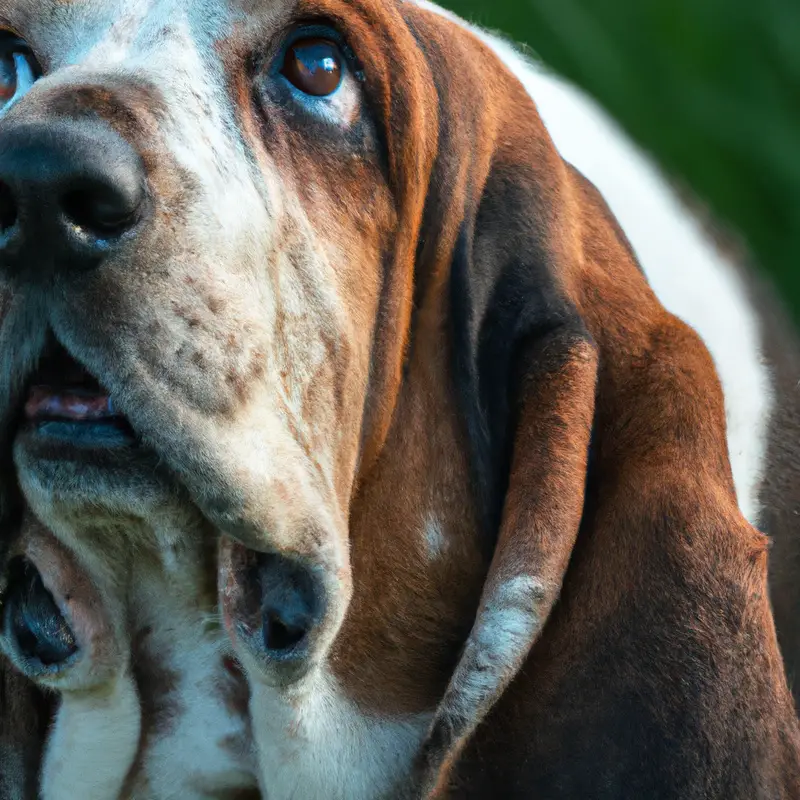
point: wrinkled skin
(235, 334)
(362, 343)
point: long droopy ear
(525, 364)
(561, 351)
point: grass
(710, 87)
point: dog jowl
(187, 343)
(308, 328)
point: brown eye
(8, 77)
(18, 69)
(314, 66)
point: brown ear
(525, 364)
(550, 385)
(559, 344)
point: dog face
(300, 297)
(231, 319)
(209, 292)
(211, 216)
(202, 209)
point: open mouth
(64, 401)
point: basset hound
(351, 446)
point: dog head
(311, 279)
(204, 211)
(227, 237)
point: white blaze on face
(170, 44)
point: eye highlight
(315, 66)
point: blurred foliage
(710, 87)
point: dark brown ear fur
(780, 492)
(24, 716)
(624, 645)
(24, 710)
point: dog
(358, 456)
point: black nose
(291, 605)
(71, 192)
(32, 619)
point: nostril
(278, 635)
(33, 619)
(102, 211)
(8, 208)
(290, 603)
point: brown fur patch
(463, 342)
(157, 686)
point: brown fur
(461, 336)
(780, 488)
(780, 493)
(661, 537)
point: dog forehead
(124, 34)
(67, 31)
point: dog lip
(74, 403)
(63, 400)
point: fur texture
(397, 337)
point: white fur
(98, 732)
(188, 762)
(315, 744)
(688, 273)
(435, 539)
(497, 646)
(92, 744)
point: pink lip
(45, 402)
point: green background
(710, 87)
